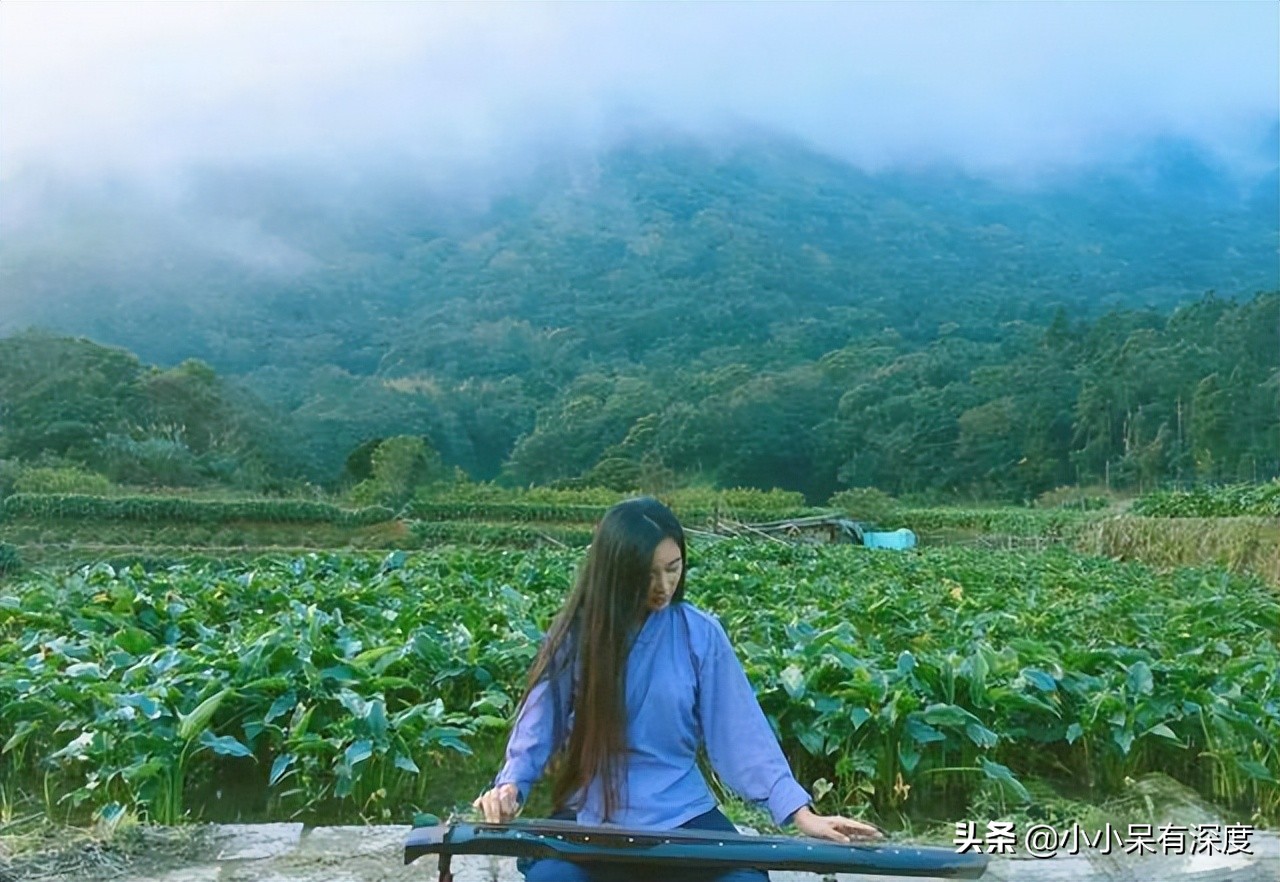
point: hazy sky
(1017, 85)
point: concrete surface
(288, 853)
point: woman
(630, 682)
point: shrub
(156, 462)
(1082, 498)
(9, 472)
(616, 473)
(64, 479)
(748, 503)
(10, 560)
(869, 504)
(398, 465)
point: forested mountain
(753, 313)
(72, 401)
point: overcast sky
(1012, 85)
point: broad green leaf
(949, 715)
(407, 764)
(369, 656)
(224, 745)
(811, 740)
(1162, 731)
(908, 756)
(345, 783)
(300, 721)
(142, 771)
(354, 704)
(454, 743)
(84, 671)
(20, 733)
(279, 767)
(981, 735)
(281, 706)
(376, 720)
(1140, 681)
(77, 748)
(1039, 679)
(1255, 770)
(921, 732)
(192, 724)
(135, 640)
(976, 668)
(997, 772)
(793, 681)
(340, 674)
(358, 752)
(146, 705)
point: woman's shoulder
(704, 628)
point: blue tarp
(897, 539)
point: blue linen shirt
(685, 688)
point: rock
(252, 842)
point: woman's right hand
(500, 804)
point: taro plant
(342, 685)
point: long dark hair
(593, 631)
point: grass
(1245, 545)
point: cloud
(89, 86)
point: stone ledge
(254, 842)
(288, 853)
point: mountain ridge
(669, 302)
(772, 228)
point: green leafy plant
(10, 559)
(1238, 500)
(346, 685)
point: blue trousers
(555, 870)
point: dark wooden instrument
(685, 849)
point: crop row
(775, 502)
(909, 680)
(1240, 500)
(525, 513)
(1049, 523)
(516, 512)
(158, 509)
(510, 535)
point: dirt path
(290, 853)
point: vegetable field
(349, 685)
(1238, 500)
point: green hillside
(668, 311)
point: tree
(400, 465)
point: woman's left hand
(834, 827)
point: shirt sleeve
(739, 741)
(542, 725)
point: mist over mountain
(657, 248)
(647, 286)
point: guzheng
(683, 848)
